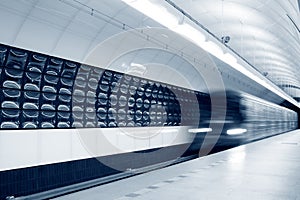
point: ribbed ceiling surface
(266, 33)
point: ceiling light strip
(161, 15)
(261, 80)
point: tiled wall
(40, 91)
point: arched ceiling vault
(266, 33)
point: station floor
(267, 169)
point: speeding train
(248, 118)
(63, 122)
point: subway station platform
(266, 169)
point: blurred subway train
(63, 122)
(248, 118)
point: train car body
(249, 118)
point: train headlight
(200, 130)
(236, 131)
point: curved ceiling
(264, 32)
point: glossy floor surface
(267, 169)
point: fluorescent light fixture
(213, 49)
(190, 33)
(200, 130)
(155, 12)
(236, 131)
(219, 121)
(162, 16)
(229, 59)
